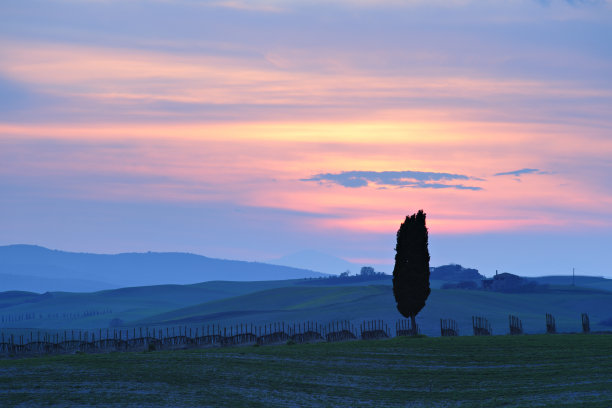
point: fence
(340, 331)
(448, 327)
(374, 329)
(481, 326)
(403, 327)
(516, 326)
(586, 326)
(551, 327)
(145, 339)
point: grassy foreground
(513, 371)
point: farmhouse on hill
(503, 282)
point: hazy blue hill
(283, 303)
(42, 284)
(294, 301)
(16, 297)
(130, 269)
(317, 261)
(351, 280)
(130, 303)
(358, 303)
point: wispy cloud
(259, 6)
(117, 115)
(518, 173)
(398, 179)
(99, 82)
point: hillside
(317, 261)
(37, 269)
(358, 303)
(41, 284)
(226, 303)
(94, 310)
(595, 282)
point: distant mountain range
(322, 262)
(37, 269)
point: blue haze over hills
(234, 292)
(38, 269)
(322, 262)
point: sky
(254, 129)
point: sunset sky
(253, 129)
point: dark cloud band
(520, 172)
(399, 179)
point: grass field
(230, 303)
(373, 302)
(128, 304)
(510, 371)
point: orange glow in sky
(333, 131)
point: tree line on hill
(458, 277)
(366, 274)
(18, 317)
(455, 276)
(503, 282)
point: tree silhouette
(411, 271)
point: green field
(358, 303)
(128, 304)
(510, 371)
(259, 303)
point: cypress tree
(411, 271)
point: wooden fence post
(551, 327)
(586, 326)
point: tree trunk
(413, 323)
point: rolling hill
(595, 282)
(89, 310)
(358, 303)
(30, 268)
(319, 261)
(229, 303)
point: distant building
(503, 282)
